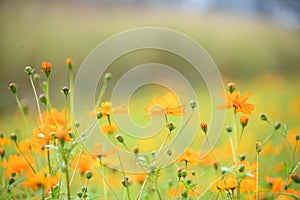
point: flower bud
(13, 137)
(84, 189)
(258, 147)
(11, 180)
(203, 126)
(66, 90)
(297, 137)
(231, 87)
(193, 104)
(263, 117)
(188, 181)
(244, 121)
(89, 174)
(136, 150)
(120, 138)
(77, 124)
(296, 177)
(1, 135)
(43, 98)
(241, 167)
(12, 87)
(29, 70)
(47, 68)
(13, 174)
(170, 182)
(79, 194)
(107, 77)
(228, 129)
(242, 157)
(69, 63)
(216, 165)
(99, 115)
(179, 172)
(169, 152)
(184, 194)
(277, 125)
(2, 152)
(184, 173)
(171, 127)
(37, 77)
(125, 182)
(193, 172)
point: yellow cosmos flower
(162, 106)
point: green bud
(228, 129)
(193, 104)
(13, 87)
(29, 70)
(13, 137)
(43, 98)
(263, 117)
(120, 138)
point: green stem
(76, 166)
(47, 100)
(71, 83)
(233, 149)
(86, 185)
(48, 159)
(37, 101)
(101, 94)
(142, 188)
(22, 113)
(66, 171)
(43, 192)
(103, 179)
(257, 180)
(238, 194)
(25, 158)
(242, 132)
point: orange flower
(237, 102)
(140, 178)
(17, 163)
(47, 68)
(84, 163)
(43, 135)
(69, 61)
(108, 129)
(63, 135)
(4, 141)
(167, 105)
(190, 156)
(175, 191)
(97, 152)
(227, 183)
(54, 118)
(106, 109)
(244, 120)
(41, 180)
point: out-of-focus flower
(83, 163)
(190, 156)
(17, 164)
(237, 102)
(106, 109)
(167, 105)
(41, 180)
(109, 128)
(176, 191)
(98, 152)
(227, 183)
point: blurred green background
(258, 50)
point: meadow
(46, 154)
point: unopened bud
(13, 174)
(277, 125)
(228, 129)
(242, 157)
(69, 63)
(193, 172)
(13, 137)
(47, 68)
(297, 137)
(37, 77)
(263, 117)
(11, 180)
(171, 127)
(231, 87)
(66, 90)
(43, 98)
(296, 177)
(13, 87)
(125, 182)
(29, 70)
(120, 138)
(203, 126)
(2, 152)
(241, 167)
(136, 150)
(89, 174)
(99, 115)
(244, 121)
(258, 147)
(107, 77)
(193, 104)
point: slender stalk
(101, 94)
(238, 194)
(22, 113)
(257, 180)
(22, 153)
(242, 132)
(86, 185)
(142, 188)
(3, 178)
(66, 171)
(76, 166)
(71, 99)
(233, 149)
(43, 192)
(37, 100)
(103, 180)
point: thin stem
(48, 159)
(76, 166)
(43, 192)
(238, 194)
(103, 179)
(71, 83)
(242, 132)
(257, 180)
(86, 185)
(233, 149)
(142, 188)
(22, 113)
(37, 100)
(66, 171)
(101, 94)
(25, 158)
